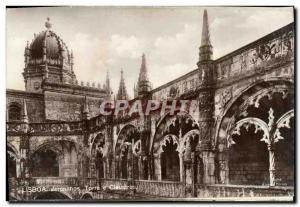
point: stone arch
(170, 158)
(285, 150)
(248, 113)
(44, 163)
(65, 155)
(177, 124)
(236, 100)
(178, 128)
(127, 150)
(98, 152)
(168, 138)
(128, 133)
(13, 196)
(10, 147)
(14, 111)
(52, 145)
(190, 136)
(99, 142)
(13, 162)
(86, 196)
(52, 195)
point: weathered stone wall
(69, 107)
(34, 103)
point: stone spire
(144, 84)
(107, 83)
(206, 49)
(107, 87)
(27, 54)
(122, 93)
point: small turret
(143, 85)
(206, 49)
(122, 92)
(107, 86)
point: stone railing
(155, 189)
(273, 49)
(54, 181)
(56, 127)
(53, 128)
(16, 183)
(160, 188)
(114, 184)
(14, 127)
(90, 182)
(223, 191)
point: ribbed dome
(55, 47)
(50, 54)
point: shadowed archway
(44, 163)
(52, 195)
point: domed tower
(47, 59)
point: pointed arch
(178, 125)
(227, 119)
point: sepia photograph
(150, 103)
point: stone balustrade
(257, 57)
(160, 188)
(17, 128)
(223, 191)
(49, 181)
(155, 189)
(114, 183)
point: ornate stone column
(113, 168)
(181, 167)
(109, 144)
(93, 170)
(24, 160)
(86, 159)
(105, 167)
(118, 171)
(188, 163)
(272, 165)
(110, 166)
(143, 160)
(18, 168)
(157, 166)
(194, 166)
(130, 163)
(206, 101)
(223, 168)
(24, 143)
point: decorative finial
(48, 25)
(205, 40)
(143, 85)
(122, 92)
(206, 49)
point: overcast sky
(106, 38)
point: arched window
(14, 112)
